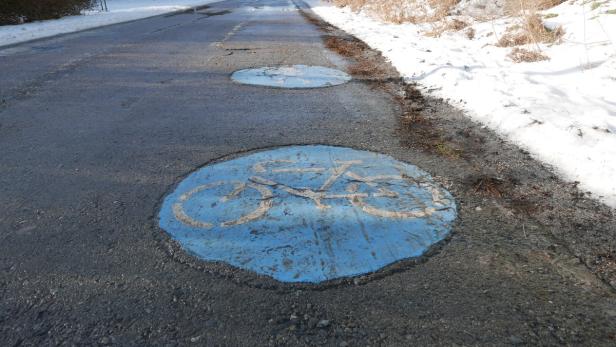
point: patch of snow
(563, 110)
(119, 11)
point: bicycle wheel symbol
(388, 202)
(235, 190)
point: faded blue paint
(294, 76)
(295, 240)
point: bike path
(96, 133)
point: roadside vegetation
(523, 35)
(23, 11)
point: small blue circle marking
(291, 76)
(308, 213)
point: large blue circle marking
(308, 213)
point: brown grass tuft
(488, 185)
(352, 48)
(513, 38)
(446, 25)
(520, 55)
(532, 30)
(361, 68)
(442, 8)
(412, 118)
(470, 33)
(446, 150)
(396, 11)
(346, 48)
(541, 33)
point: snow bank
(562, 110)
(119, 11)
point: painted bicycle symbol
(377, 195)
(308, 213)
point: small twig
(585, 44)
(494, 30)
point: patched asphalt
(97, 127)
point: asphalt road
(97, 127)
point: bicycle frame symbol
(353, 193)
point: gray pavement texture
(97, 127)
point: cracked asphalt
(96, 127)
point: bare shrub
(519, 55)
(20, 11)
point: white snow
(563, 111)
(119, 11)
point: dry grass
(442, 7)
(522, 55)
(439, 27)
(447, 151)
(514, 36)
(351, 48)
(523, 7)
(402, 11)
(397, 11)
(361, 68)
(456, 25)
(489, 186)
(532, 30)
(410, 119)
(429, 11)
(470, 33)
(346, 48)
(355, 5)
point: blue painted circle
(308, 213)
(292, 76)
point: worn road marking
(293, 77)
(308, 213)
(229, 35)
